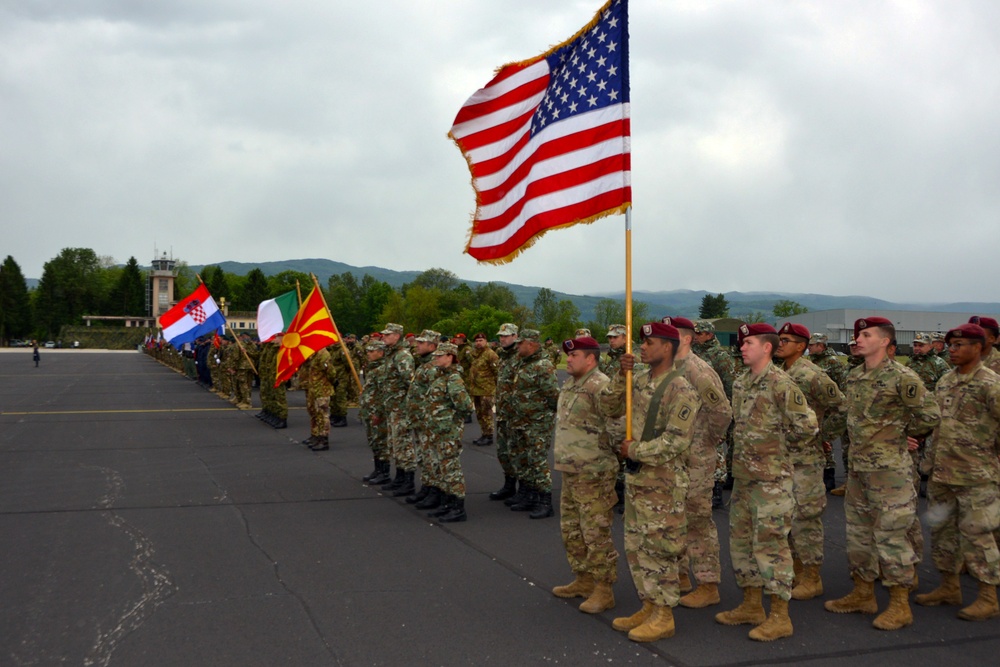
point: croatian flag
(192, 317)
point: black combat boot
(543, 508)
(419, 495)
(432, 501)
(338, 422)
(445, 506)
(508, 490)
(382, 473)
(829, 479)
(484, 441)
(310, 441)
(717, 503)
(528, 503)
(372, 474)
(406, 488)
(279, 423)
(396, 482)
(456, 513)
(322, 444)
(518, 496)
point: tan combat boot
(839, 491)
(602, 598)
(703, 596)
(581, 587)
(860, 600)
(985, 605)
(810, 584)
(949, 592)
(685, 583)
(626, 623)
(777, 625)
(751, 610)
(797, 568)
(659, 625)
(898, 614)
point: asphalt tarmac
(145, 521)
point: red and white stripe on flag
(548, 139)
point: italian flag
(274, 315)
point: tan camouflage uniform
(483, 368)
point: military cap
(350, 335)
(480, 335)
(852, 342)
(582, 332)
(818, 338)
(617, 330)
(704, 326)
(966, 331)
(507, 329)
(679, 322)
(529, 334)
(757, 329)
(460, 336)
(581, 343)
(392, 328)
(375, 345)
(937, 335)
(411, 335)
(377, 334)
(868, 322)
(792, 329)
(924, 338)
(659, 330)
(446, 348)
(428, 336)
(986, 323)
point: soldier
(991, 357)
(582, 332)
(610, 365)
(702, 550)
(589, 467)
(448, 403)
(398, 373)
(483, 367)
(770, 412)
(242, 373)
(665, 408)
(707, 347)
(535, 394)
(937, 341)
(357, 353)
(854, 359)
(808, 457)
(553, 351)
(372, 413)
(510, 493)
(965, 470)
(927, 365)
(417, 404)
(826, 359)
(319, 376)
(887, 408)
(273, 400)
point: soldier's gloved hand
(627, 363)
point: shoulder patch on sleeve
(711, 396)
(683, 416)
(796, 401)
(909, 390)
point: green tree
(423, 308)
(255, 289)
(609, 311)
(128, 296)
(343, 295)
(564, 322)
(282, 282)
(15, 304)
(394, 310)
(787, 308)
(440, 279)
(217, 283)
(471, 321)
(754, 317)
(544, 309)
(375, 297)
(713, 307)
(496, 295)
(72, 285)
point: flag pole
(628, 320)
(242, 349)
(340, 339)
(298, 291)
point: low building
(839, 324)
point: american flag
(548, 139)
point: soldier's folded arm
(678, 411)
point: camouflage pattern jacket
(964, 449)
(720, 360)
(416, 394)
(267, 363)
(398, 375)
(368, 402)
(716, 413)
(770, 412)
(884, 406)
(448, 404)
(554, 352)
(509, 361)
(929, 368)
(581, 440)
(828, 362)
(483, 367)
(611, 362)
(992, 360)
(829, 404)
(535, 395)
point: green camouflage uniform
(655, 495)
(448, 404)
(398, 374)
(555, 354)
(722, 362)
(808, 458)
(992, 360)
(710, 429)
(589, 467)
(884, 406)
(318, 376)
(533, 410)
(829, 363)
(483, 367)
(371, 410)
(243, 376)
(964, 469)
(417, 405)
(770, 413)
(273, 400)
(505, 405)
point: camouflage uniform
(448, 404)
(808, 457)
(884, 406)
(320, 375)
(371, 409)
(709, 431)
(655, 522)
(417, 405)
(724, 365)
(992, 360)
(964, 473)
(555, 354)
(398, 374)
(483, 367)
(341, 374)
(505, 401)
(273, 400)
(243, 378)
(829, 363)
(534, 397)
(215, 368)
(770, 412)
(589, 467)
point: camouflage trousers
(338, 400)
(400, 441)
(484, 413)
(702, 533)
(916, 532)
(806, 539)
(880, 508)
(273, 400)
(585, 516)
(966, 517)
(319, 414)
(190, 369)
(760, 519)
(724, 452)
(243, 381)
(529, 456)
(447, 463)
(425, 458)
(378, 440)
(655, 539)
(502, 439)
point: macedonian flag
(311, 330)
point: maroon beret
(581, 343)
(757, 329)
(795, 330)
(461, 335)
(971, 331)
(986, 323)
(679, 322)
(866, 322)
(659, 330)
(480, 335)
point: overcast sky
(848, 147)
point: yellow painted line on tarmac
(118, 412)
